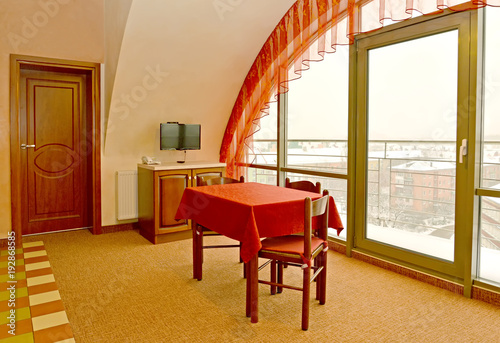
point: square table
(248, 212)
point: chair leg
(273, 276)
(306, 289)
(244, 268)
(241, 260)
(248, 306)
(317, 263)
(322, 298)
(200, 240)
(280, 276)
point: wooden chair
(219, 181)
(200, 231)
(307, 251)
(303, 185)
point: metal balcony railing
(411, 184)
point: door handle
(25, 146)
(463, 151)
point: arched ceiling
(184, 61)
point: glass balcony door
(411, 124)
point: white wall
(201, 51)
(180, 61)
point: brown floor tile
(47, 287)
(20, 303)
(31, 249)
(46, 308)
(5, 270)
(36, 259)
(20, 284)
(6, 257)
(22, 327)
(25, 327)
(53, 334)
(39, 272)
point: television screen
(175, 136)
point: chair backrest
(315, 208)
(221, 181)
(303, 185)
(201, 180)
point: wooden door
(55, 154)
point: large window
(314, 117)
(387, 125)
(262, 151)
(317, 127)
(336, 188)
(264, 147)
(317, 116)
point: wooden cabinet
(160, 192)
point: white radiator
(126, 193)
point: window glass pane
(489, 238)
(412, 144)
(263, 148)
(337, 188)
(261, 176)
(489, 260)
(318, 115)
(491, 87)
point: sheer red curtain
(308, 30)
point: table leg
(197, 256)
(252, 296)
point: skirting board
(478, 293)
(120, 227)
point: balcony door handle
(26, 146)
(463, 151)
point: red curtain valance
(306, 32)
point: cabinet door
(171, 186)
(206, 173)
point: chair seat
(290, 245)
(208, 232)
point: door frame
(93, 71)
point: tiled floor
(39, 311)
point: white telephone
(150, 160)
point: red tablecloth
(250, 211)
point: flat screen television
(175, 136)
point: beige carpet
(120, 288)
